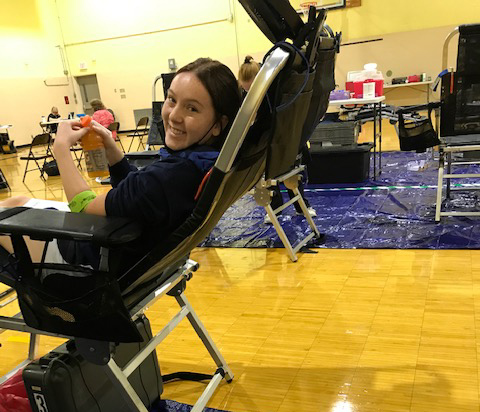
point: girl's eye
(170, 99)
(192, 109)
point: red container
(357, 88)
(349, 87)
(414, 79)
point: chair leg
(441, 166)
(131, 142)
(205, 336)
(79, 159)
(42, 170)
(25, 173)
(304, 208)
(121, 382)
(140, 143)
(449, 171)
(281, 233)
(120, 141)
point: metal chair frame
(141, 131)
(449, 146)
(263, 196)
(43, 139)
(114, 127)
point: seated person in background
(52, 128)
(246, 75)
(102, 115)
(201, 105)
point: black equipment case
(62, 381)
(339, 164)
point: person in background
(246, 74)
(52, 116)
(102, 115)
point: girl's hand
(104, 133)
(68, 134)
(114, 154)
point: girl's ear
(220, 125)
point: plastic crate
(337, 133)
(345, 164)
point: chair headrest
(277, 19)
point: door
(89, 90)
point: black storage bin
(336, 133)
(340, 164)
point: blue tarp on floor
(396, 211)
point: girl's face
(188, 113)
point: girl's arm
(68, 134)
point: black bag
(51, 168)
(63, 381)
(6, 145)
(417, 135)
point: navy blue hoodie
(160, 197)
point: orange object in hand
(95, 157)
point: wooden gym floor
(340, 330)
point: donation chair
(459, 115)
(39, 152)
(313, 80)
(97, 308)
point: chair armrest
(146, 154)
(45, 224)
(142, 159)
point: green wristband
(81, 200)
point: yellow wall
(412, 34)
(131, 61)
(377, 17)
(29, 34)
(127, 44)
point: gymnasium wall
(127, 44)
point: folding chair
(114, 127)
(39, 152)
(141, 131)
(100, 309)
(459, 114)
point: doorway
(88, 86)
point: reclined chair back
(312, 84)
(460, 115)
(310, 79)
